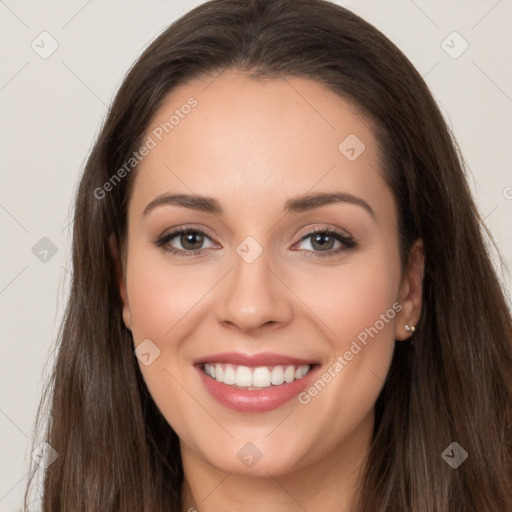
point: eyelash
(347, 242)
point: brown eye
(191, 240)
(183, 242)
(322, 241)
(327, 242)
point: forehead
(256, 142)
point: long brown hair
(115, 450)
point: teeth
(229, 375)
(243, 376)
(260, 377)
(277, 375)
(289, 374)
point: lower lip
(266, 399)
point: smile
(252, 378)
(254, 383)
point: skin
(252, 145)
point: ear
(410, 294)
(120, 279)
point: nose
(253, 296)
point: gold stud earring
(410, 328)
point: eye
(190, 240)
(324, 240)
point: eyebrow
(294, 205)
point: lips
(254, 382)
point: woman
(281, 294)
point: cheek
(354, 298)
(161, 295)
(163, 300)
(360, 311)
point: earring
(410, 328)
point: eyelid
(306, 232)
(184, 228)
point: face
(286, 283)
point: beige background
(51, 110)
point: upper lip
(261, 359)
